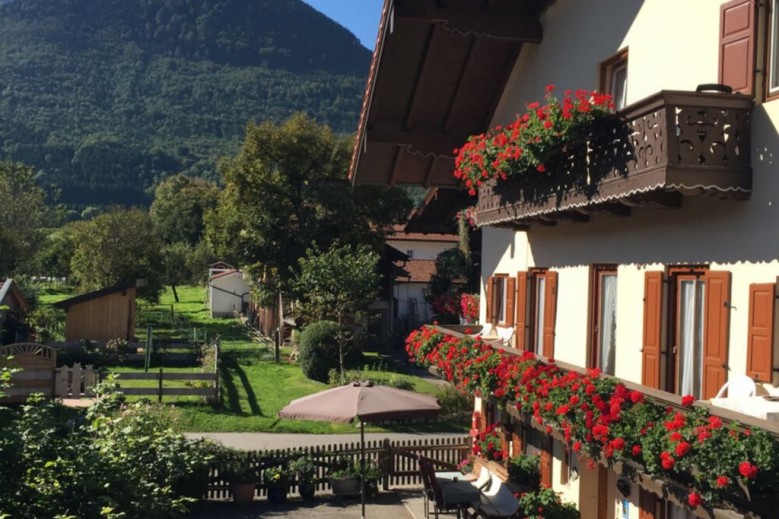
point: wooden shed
(101, 315)
(13, 310)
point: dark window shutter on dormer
(737, 45)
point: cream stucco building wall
(672, 45)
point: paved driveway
(394, 504)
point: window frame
(597, 272)
(608, 70)
(536, 331)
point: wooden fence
(35, 363)
(397, 460)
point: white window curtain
(691, 303)
(540, 304)
(608, 324)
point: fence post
(388, 462)
(217, 360)
(159, 396)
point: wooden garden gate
(36, 363)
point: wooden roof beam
(435, 142)
(422, 75)
(517, 25)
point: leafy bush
(546, 504)
(117, 463)
(319, 349)
(524, 469)
(455, 404)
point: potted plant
(242, 478)
(344, 477)
(304, 470)
(276, 481)
(524, 470)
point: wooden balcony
(657, 151)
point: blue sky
(359, 16)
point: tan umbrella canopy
(363, 401)
(366, 402)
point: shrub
(524, 469)
(455, 405)
(546, 504)
(319, 349)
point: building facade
(659, 268)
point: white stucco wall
(424, 250)
(226, 294)
(671, 45)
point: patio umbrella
(365, 402)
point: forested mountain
(107, 97)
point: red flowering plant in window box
(469, 307)
(531, 144)
(602, 418)
(487, 444)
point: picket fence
(397, 460)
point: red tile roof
(401, 235)
(418, 271)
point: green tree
(179, 205)
(339, 283)
(23, 212)
(114, 247)
(286, 190)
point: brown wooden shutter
(546, 462)
(737, 45)
(511, 288)
(760, 335)
(653, 331)
(550, 313)
(647, 503)
(717, 325)
(489, 318)
(521, 307)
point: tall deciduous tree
(179, 205)
(115, 247)
(23, 212)
(340, 282)
(287, 189)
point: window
(566, 469)
(614, 78)
(536, 311)
(500, 299)
(693, 358)
(603, 311)
(690, 306)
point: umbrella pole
(362, 467)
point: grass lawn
(254, 387)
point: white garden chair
(738, 387)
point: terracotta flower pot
(243, 492)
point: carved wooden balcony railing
(667, 146)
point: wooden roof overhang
(438, 71)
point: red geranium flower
(694, 499)
(723, 481)
(688, 400)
